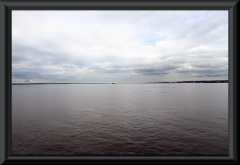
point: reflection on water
(120, 119)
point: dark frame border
(6, 7)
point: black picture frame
(6, 7)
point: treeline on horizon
(195, 81)
(198, 81)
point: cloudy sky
(119, 46)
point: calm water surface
(120, 119)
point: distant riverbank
(201, 81)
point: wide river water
(120, 119)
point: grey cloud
(40, 75)
(204, 72)
(35, 55)
(151, 71)
(32, 58)
(141, 69)
(26, 81)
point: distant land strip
(199, 81)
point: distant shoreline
(165, 82)
(198, 81)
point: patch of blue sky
(226, 23)
(152, 41)
(205, 14)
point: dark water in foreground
(120, 119)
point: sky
(119, 46)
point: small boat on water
(113, 83)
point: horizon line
(184, 81)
